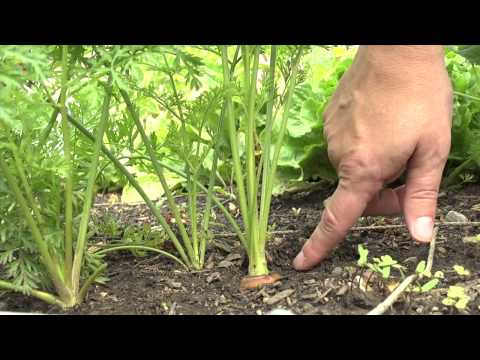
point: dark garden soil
(154, 285)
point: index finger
(341, 212)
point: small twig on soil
(398, 226)
(364, 228)
(390, 300)
(325, 293)
(431, 251)
(280, 232)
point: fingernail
(298, 262)
(424, 228)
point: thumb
(421, 193)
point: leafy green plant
(422, 273)
(363, 256)
(456, 297)
(464, 156)
(145, 236)
(471, 52)
(61, 260)
(303, 157)
(382, 265)
(186, 140)
(254, 181)
(460, 270)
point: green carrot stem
(89, 192)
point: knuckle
(440, 152)
(424, 194)
(332, 154)
(361, 166)
(329, 226)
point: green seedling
(456, 297)
(109, 227)
(386, 263)
(430, 284)
(143, 237)
(382, 265)
(472, 239)
(363, 253)
(460, 270)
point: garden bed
(154, 285)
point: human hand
(391, 114)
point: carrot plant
(61, 254)
(47, 177)
(254, 180)
(190, 137)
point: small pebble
(174, 284)
(225, 264)
(277, 241)
(213, 277)
(455, 216)
(442, 250)
(308, 307)
(278, 297)
(233, 257)
(338, 271)
(342, 291)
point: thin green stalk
(200, 240)
(192, 190)
(283, 126)
(44, 296)
(89, 192)
(67, 149)
(266, 161)
(211, 184)
(159, 171)
(192, 199)
(258, 265)
(48, 129)
(458, 170)
(234, 145)
(217, 202)
(471, 97)
(26, 186)
(251, 92)
(83, 291)
(42, 246)
(140, 247)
